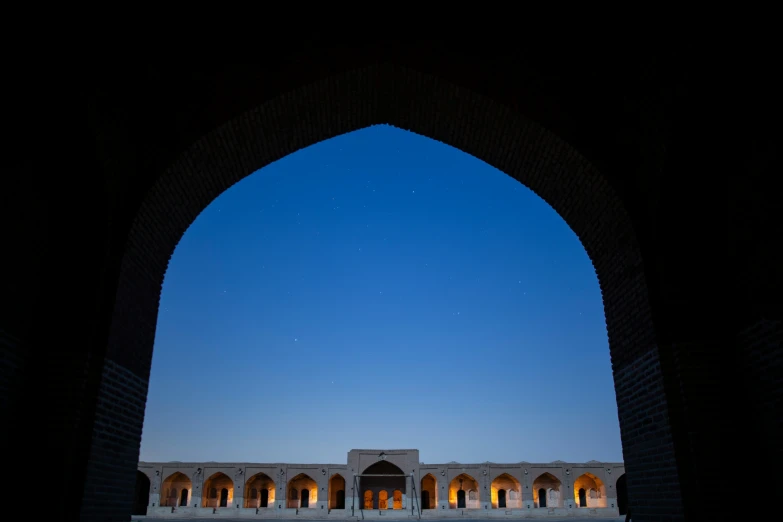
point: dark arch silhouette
(537, 158)
(224, 497)
(594, 202)
(622, 494)
(390, 483)
(582, 498)
(264, 497)
(542, 497)
(340, 500)
(425, 499)
(461, 499)
(141, 498)
(183, 497)
(383, 467)
(408, 98)
(501, 498)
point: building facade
(374, 483)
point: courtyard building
(374, 483)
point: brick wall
(115, 445)
(760, 348)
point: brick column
(526, 490)
(156, 484)
(196, 496)
(281, 497)
(322, 505)
(443, 490)
(239, 489)
(610, 487)
(567, 495)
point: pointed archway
(429, 492)
(259, 491)
(336, 492)
(383, 476)
(506, 492)
(547, 491)
(594, 495)
(464, 492)
(176, 487)
(490, 130)
(218, 491)
(303, 492)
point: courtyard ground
(461, 519)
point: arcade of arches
(374, 481)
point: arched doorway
(368, 499)
(463, 492)
(622, 494)
(259, 485)
(546, 491)
(183, 497)
(506, 492)
(303, 491)
(172, 488)
(336, 492)
(593, 488)
(542, 497)
(429, 486)
(141, 498)
(221, 491)
(607, 235)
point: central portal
(382, 486)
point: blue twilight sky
(380, 290)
